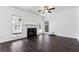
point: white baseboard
(10, 39)
(67, 36)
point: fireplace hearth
(31, 32)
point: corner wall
(64, 23)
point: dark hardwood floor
(41, 43)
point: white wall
(78, 21)
(64, 23)
(5, 22)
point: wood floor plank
(41, 43)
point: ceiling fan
(45, 9)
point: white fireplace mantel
(31, 25)
(25, 26)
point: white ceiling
(34, 9)
(30, 9)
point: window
(16, 25)
(46, 26)
(40, 29)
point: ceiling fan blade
(49, 11)
(39, 10)
(51, 8)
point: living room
(19, 22)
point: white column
(43, 18)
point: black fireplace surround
(31, 32)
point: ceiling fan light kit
(46, 9)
